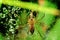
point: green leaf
(1, 37)
(0, 3)
(54, 34)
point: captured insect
(31, 23)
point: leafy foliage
(14, 21)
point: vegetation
(29, 20)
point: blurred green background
(14, 16)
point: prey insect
(31, 23)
